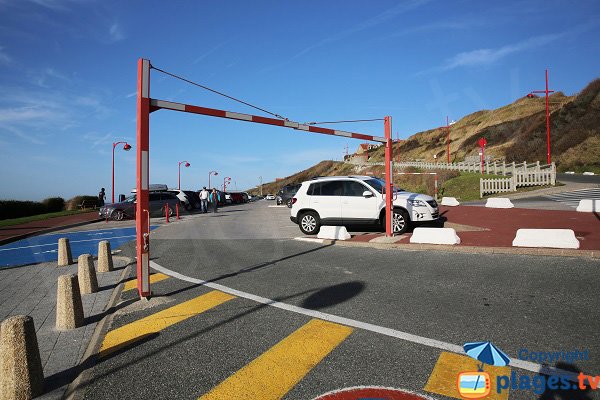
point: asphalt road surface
(392, 316)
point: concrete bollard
(21, 373)
(64, 253)
(86, 274)
(69, 309)
(105, 261)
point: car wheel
(400, 222)
(118, 215)
(309, 223)
(289, 203)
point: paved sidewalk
(12, 233)
(31, 290)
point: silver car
(126, 208)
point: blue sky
(68, 79)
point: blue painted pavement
(44, 248)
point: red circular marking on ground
(370, 393)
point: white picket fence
(545, 177)
(521, 174)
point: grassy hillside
(517, 132)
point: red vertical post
(113, 175)
(179, 177)
(388, 176)
(142, 204)
(547, 122)
(448, 140)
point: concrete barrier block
(64, 253)
(589, 205)
(552, 238)
(86, 274)
(333, 233)
(570, 173)
(450, 201)
(435, 236)
(21, 373)
(105, 261)
(499, 202)
(69, 309)
(588, 173)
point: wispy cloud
(211, 51)
(57, 5)
(488, 56)
(372, 22)
(42, 78)
(27, 137)
(115, 32)
(5, 59)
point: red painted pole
(142, 217)
(448, 139)
(113, 175)
(388, 176)
(179, 177)
(547, 123)
(167, 212)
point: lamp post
(209, 174)
(260, 177)
(126, 147)
(448, 140)
(187, 164)
(226, 181)
(546, 92)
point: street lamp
(546, 92)
(209, 174)
(260, 177)
(226, 181)
(448, 140)
(187, 164)
(126, 147)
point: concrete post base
(21, 373)
(86, 274)
(105, 261)
(64, 253)
(69, 309)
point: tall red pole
(179, 177)
(113, 175)
(448, 139)
(142, 204)
(547, 122)
(388, 176)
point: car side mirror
(367, 194)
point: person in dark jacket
(214, 199)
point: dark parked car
(126, 209)
(237, 198)
(285, 194)
(194, 198)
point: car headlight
(416, 203)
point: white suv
(350, 200)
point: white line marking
(74, 241)
(310, 240)
(409, 337)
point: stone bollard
(86, 274)
(69, 309)
(21, 373)
(105, 261)
(64, 253)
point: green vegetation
(13, 209)
(39, 217)
(465, 187)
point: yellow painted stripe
(132, 284)
(444, 377)
(275, 372)
(154, 323)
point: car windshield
(129, 199)
(379, 185)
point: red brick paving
(15, 232)
(504, 223)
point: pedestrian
(101, 197)
(204, 200)
(214, 200)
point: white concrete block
(333, 233)
(553, 238)
(588, 173)
(450, 201)
(570, 173)
(499, 202)
(435, 236)
(588, 205)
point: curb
(47, 230)
(74, 389)
(594, 254)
